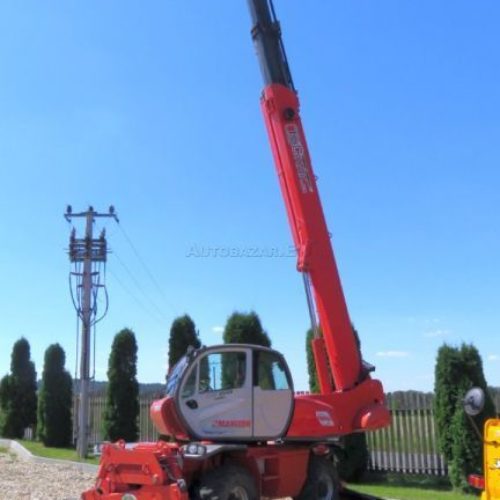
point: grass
(396, 486)
(60, 453)
(409, 493)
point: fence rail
(409, 445)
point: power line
(139, 286)
(151, 313)
(145, 267)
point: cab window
(220, 371)
(271, 372)
(190, 385)
(175, 376)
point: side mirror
(474, 401)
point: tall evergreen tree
(55, 399)
(9, 423)
(245, 328)
(353, 462)
(122, 409)
(448, 372)
(311, 366)
(466, 446)
(183, 334)
(18, 393)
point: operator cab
(233, 392)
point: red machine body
(272, 468)
(224, 440)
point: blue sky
(155, 108)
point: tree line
(19, 399)
(49, 408)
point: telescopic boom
(337, 350)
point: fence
(147, 431)
(409, 445)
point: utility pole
(88, 251)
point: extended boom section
(315, 255)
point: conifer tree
(311, 366)
(122, 408)
(183, 334)
(466, 447)
(353, 462)
(55, 400)
(18, 398)
(245, 328)
(448, 372)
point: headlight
(129, 496)
(194, 449)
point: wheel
(322, 482)
(228, 482)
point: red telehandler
(238, 431)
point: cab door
(272, 395)
(215, 397)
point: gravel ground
(23, 480)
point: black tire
(322, 482)
(228, 482)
